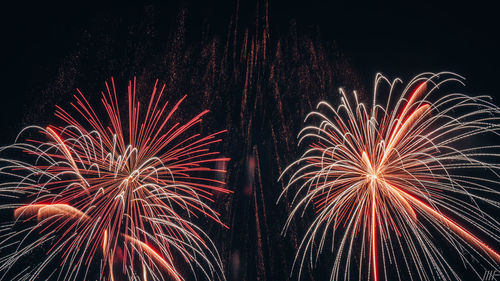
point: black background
(397, 39)
(44, 45)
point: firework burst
(385, 179)
(120, 198)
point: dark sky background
(51, 49)
(395, 39)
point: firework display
(384, 182)
(115, 195)
(396, 181)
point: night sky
(49, 50)
(397, 39)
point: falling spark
(120, 196)
(385, 179)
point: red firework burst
(120, 195)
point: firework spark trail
(382, 178)
(124, 201)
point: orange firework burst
(119, 197)
(382, 179)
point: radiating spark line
(374, 234)
(372, 177)
(154, 255)
(455, 227)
